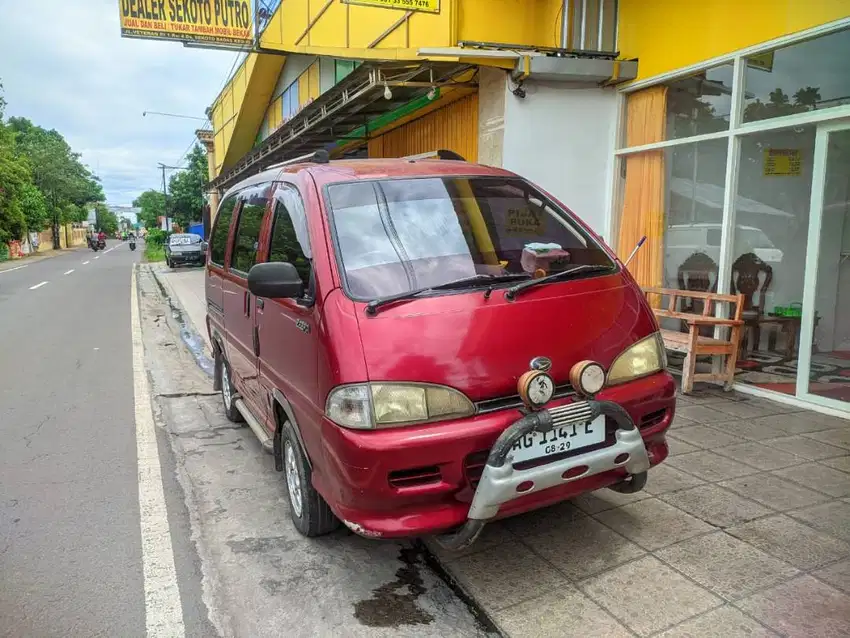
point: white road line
(43, 283)
(163, 609)
(113, 248)
(69, 271)
(98, 257)
(15, 268)
(86, 262)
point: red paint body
(476, 345)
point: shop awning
(343, 113)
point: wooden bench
(692, 343)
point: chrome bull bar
(499, 480)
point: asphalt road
(70, 541)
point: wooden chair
(747, 281)
(692, 343)
(698, 273)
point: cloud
(64, 65)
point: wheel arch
(283, 412)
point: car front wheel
(308, 510)
(228, 393)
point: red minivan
(427, 345)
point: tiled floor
(744, 531)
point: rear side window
(218, 239)
(289, 233)
(247, 238)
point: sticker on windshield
(524, 221)
(180, 241)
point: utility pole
(165, 167)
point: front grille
(653, 418)
(513, 402)
(415, 476)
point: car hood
(482, 346)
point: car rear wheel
(309, 511)
(228, 393)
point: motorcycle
(101, 244)
(93, 244)
(132, 244)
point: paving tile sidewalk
(744, 531)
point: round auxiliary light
(587, 377)
(535, 388)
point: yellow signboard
(783, 162)
(762, 61)
(215, 22)
(428, 6)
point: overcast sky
(64, 65)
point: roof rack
(442, 154)
(316, 157)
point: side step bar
(256, 427)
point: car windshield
(184, 239)
(397, 235)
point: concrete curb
(189, 332)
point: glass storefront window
(769, 249)
(807, 76)
(699, 103)
(694, 214)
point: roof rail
(316, 157)
(442, 154)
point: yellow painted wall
(669, 34)
(453, 127)
(534, 22)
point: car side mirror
(204, 246)
(275, 280)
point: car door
(219, 240)
(238, 302)
(287, 327)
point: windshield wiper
(512, 292)
(372, 306)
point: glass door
(824, 325)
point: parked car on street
(427, 345)
(185, 249)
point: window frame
(217, 225)
(235, 234)
(310, 284)
(568, 217)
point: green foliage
(34, 208)
(154, 252)
(107, 221)
(41, 179)
(186, 189)
(156, 237)
(152, 205)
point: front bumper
(501, 482)
(187, 258)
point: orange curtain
(643, 196)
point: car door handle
(260, 303)
(246, 304)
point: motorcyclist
(101, 237)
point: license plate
(563, 439)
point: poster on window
(782, 162)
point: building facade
(718, 130)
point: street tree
(106, 220)
(152, 205)
(186, 188)
(34, 208)
(14, 178)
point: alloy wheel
(293, 479)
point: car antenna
(640, 243)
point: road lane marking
(113, 248)
(163, 609)
(86, 262)
(15, 268)
(69, 271)
(98, 257)
(43, 283)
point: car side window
(218, 238)
(247, 239)
(286, 244)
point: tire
(228, 391)
(309, 512)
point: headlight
(378, 405)
(638, 360)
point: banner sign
(215, 22)
(785, 162)
(428, 6)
